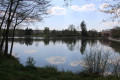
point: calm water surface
(65, 54)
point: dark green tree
(116, 32)
(83, 28)
(93, 33)
(46, 30)
(28, 31)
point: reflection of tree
(114, 45)
(70, 44)
(21, 41)
(54, 41)
(28, 41)
(46, 41)
(92, 42)
(83, 45)
(37, 44)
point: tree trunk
(2, 42)
(12, 41)
(9, 20)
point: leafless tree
(96, 60)
(18, 11)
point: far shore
(57, 37)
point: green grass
(11, 69)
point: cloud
(86, 7)
(30, 51)
(111, 24)
(57, 11)
(56, 60)
(104, 5)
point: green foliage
(28, 31)
(46, 30)
(93, 33)
(116, 32)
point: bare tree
(112, 8)
(96, 60)
(21, 10)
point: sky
(61, 17)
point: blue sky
(61, 17)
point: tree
(83, 28)
(17, 11)
(112, 8)
(93, 33)
(46, 30)
(71, 27)
(28, 31)
(116, 32)
(96, 60)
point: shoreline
(115, 40)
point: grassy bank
(11, 69)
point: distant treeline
(56, 33)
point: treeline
(115, 32)
(46, 32)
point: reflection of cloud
(56, 60)
(76, 63)
(30, 51)
(15, 45)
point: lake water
(65, 54)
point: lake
(65, 54)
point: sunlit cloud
(104, 5)
(30, 51)
(56, 60)
(86, 7)
(57, 11)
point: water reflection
(66, 53)
(83, 45)
(28, 41)
(56, 60)
(114, 45)
(70, 43)
(30, 51)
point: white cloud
(57, 11)
(56, 60)
(111, 24)
(104, 5)
(86, 7)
